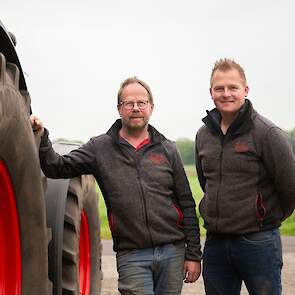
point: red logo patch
(241, 147)
(157, 159)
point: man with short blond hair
(227, 64)
(246, 168)
(150, 206)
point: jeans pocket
(259, 237)
(121, 253)
(178, 244)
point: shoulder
(202, 132)
(262, 122)
(203, 129)
(169, 145)
(263, 126)
(99, 140)
(268, 133)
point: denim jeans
(152, 271)
(253, 258)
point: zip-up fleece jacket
(247, 175)
(147, 194)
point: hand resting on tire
(37, 125)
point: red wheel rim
(10, 248)
(84, 264)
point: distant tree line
(186, 148)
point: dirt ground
(109, 283)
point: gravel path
(109, 283)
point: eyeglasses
(129, 105)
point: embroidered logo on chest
(241, 147)
(157, 159)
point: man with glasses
(150, 207)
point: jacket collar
(155, 135)
(241, 124)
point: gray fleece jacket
(247, 175)
(146, 191)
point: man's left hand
(191, 271)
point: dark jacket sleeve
(202, 179)
(279, 160)
(187, 205)
(77, 162)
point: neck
(226, 121)
(134, 137)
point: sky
(76, 53)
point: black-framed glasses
(129, 105)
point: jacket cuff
(195, 255)
(45, 143)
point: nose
(226, 92)
(135, 107)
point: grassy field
(288, 227)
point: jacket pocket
(260, 209)
(111, 220)
(179, 214)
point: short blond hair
(225, 65)
(132, 80)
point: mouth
(227, 101)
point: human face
(228, 91)
(135, 119)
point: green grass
(287, 228)
(104, 224)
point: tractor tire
(23, 231)
(75, 249)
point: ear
(246, 91)
(152, 108)
(210, 90)
(119, 108)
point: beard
(135, 124)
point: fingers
(35, 121)
(191, 277)
(192, 271)
(36, 124)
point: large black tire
(72, 211)
(21, 173)
(82, 201)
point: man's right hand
(37, 125)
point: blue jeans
(152, 271)
(253, 258)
